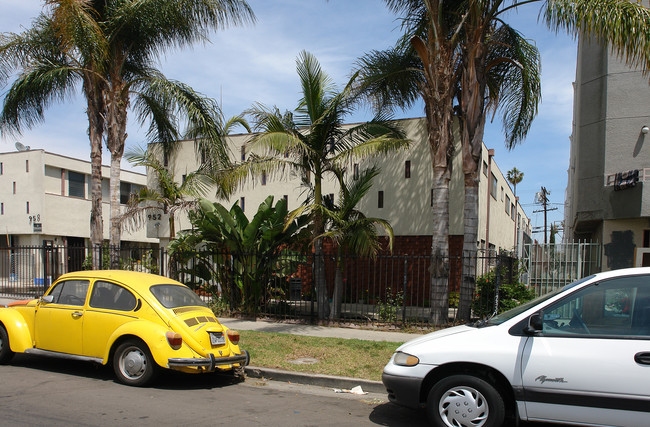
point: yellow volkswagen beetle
(136, 321)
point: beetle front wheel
(465, 400)
(133, 364)
(5, 351)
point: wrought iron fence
(387, 289)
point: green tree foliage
(313, 142)
(510, 294)
(241, 255)
(352, 232)
(111, 47)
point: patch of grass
(337, 356)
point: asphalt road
(54, 392)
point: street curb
(315, 379)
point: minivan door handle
(642, 358)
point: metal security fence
(546, 267)
(387, 289)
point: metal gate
(546, 267)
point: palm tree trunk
(115, 141)
(95, 133)
(440, 248)
(337, 295)
(468, 284)
(473, 82)
(322, 294)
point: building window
(355, 171)
(493, 186)
(646, 238)
(184, 178)
(263, 177)
(243, 153)
(0, 168)
(502, 194)
(286, 199)
(27, 207)
(431, 201)
(2, 208)
(485, 168)
(14, 187)
(76, 184)
(513, 211)
(507, 205)
(165, 159)
(126, 189)
(242, 203)
(380, 199)
(407, 169)
(27, 166)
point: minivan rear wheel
(465, 400)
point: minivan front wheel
(465, 400)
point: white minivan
(579, 355)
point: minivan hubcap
(463, 406)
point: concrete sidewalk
(317, 331)
(314, 331)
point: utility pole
(542, 198)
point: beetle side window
(70, 292)
(616, 307)
(111, 296)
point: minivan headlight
(405, 359)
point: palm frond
(514, 86)
(624, 24)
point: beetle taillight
(233, 336)
(174, 339)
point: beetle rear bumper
(209, 363)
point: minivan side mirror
(535, 324)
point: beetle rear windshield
(172, 296)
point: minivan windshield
(507, 315)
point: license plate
(217, 338)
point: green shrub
(388, 307)
(510, 295)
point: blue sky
(256, 63)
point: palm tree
(164, 193)
(313, 141)
(351, 231)
(515, 176)
(110, 47)
(49, 66)
(424, 64)
(496, 69)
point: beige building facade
(45, 197)
(401, 194)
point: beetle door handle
(642, 358)
(77, 314)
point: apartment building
(401, 194)
(45, 198)
(608, 192)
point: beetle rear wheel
(464, 400)
(133, 364)
(5, 351)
